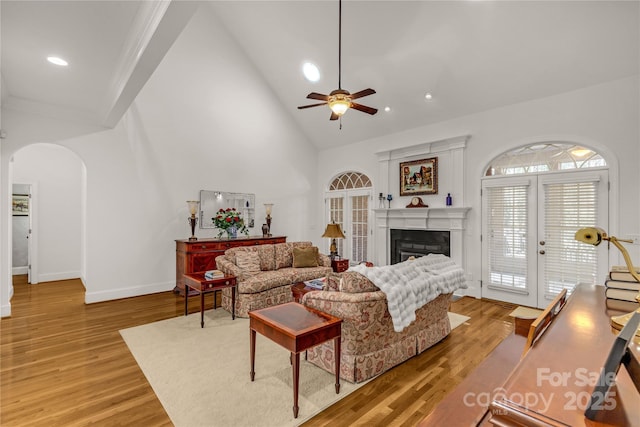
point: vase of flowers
(229, 221)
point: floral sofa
(265, 273)
(370, 345)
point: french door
(351, 210)
(529, 253)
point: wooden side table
(298, 290)
(339, 265)
(296, 328)
(198, 283)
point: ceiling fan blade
(334, 116)
(319, 96)
(364, 108)
(312, 105)
(362, 93)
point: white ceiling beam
(157, 26)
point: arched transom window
(349, 181)
(547, 157)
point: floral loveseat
(370, 345)
(265, 273)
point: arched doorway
(57, 209)
(534, 199)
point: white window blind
(569, 207)
(506, 211)
(336, 211)
(359, 228)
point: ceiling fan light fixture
(339, 105)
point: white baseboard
(62, 275)
(20, 270)
(112, 294)
(5, 310)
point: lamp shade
(590, 235)
(333, 231)
(268, 207)
(193, 206)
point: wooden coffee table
(198, 283)
(296, 328)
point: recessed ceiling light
(58, 61)
(311, 72)
(387, 109)
(428, 96)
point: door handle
(542, 242)
(541, 251)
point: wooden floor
(63, 362)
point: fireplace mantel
(452, 219)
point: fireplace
(407, 243)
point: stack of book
(213, 274)
(620, 285)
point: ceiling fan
(341, 100)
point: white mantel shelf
(452, 212)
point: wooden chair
(543, 321)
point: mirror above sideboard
(212, 201)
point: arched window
(350, 180)
(347, 202)
(547, 157)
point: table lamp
(595, 236)
(267, 209)
(333, 232)
(193, 209)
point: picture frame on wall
(20, 205)
(419, 177)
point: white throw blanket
(411, 284)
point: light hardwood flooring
(63, 362)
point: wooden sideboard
(200, 255)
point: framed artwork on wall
(419, 177)
(20, 205)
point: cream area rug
(201, 375)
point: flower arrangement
(229, 221)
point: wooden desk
(296, 328)
(552, 384)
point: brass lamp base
(618, 322)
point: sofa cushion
(355, 282)
(266, 280)
(309, 273)
(248, 261)
(305, 257)
(284, 253)
(267, 255)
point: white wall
(604, 117)
(205, 120)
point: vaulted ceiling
(470, 55)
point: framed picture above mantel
(419, 177)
